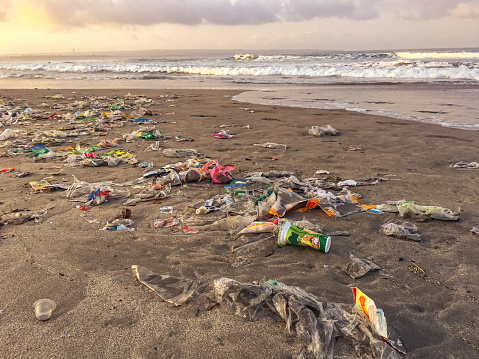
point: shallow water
(433, 86)
(446, 105)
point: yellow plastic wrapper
(260, 227)
(367, 307)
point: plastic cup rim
(282, 232)
(54, 305)
(327, 245)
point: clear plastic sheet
(401, 229)
(319, 324)
(171, 289)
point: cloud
(4, 8)
(148, 12)
(299, 10)
(423, 9)
(469, 10)
(82, 13)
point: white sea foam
(436, 55)
(397, 69)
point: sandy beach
(103, 311)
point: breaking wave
(438, 55)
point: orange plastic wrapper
(260, 227)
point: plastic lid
(328, 244)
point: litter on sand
(171, 289)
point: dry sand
(104, 312)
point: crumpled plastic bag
(310, 188)
(219, 173)
(148, 132)
(276, 146)
(358, 267)
(408, 209)
(464, 164)
(401, 229)
(180, 153)
(95, 193)
(318, 324)
(338, 206)
(119, 224)
(153, 147)
(20, 217)
(411, 210)
(264, 206)
(48, 156)
(171, 289)
(231, 224)
(287, 201)
(320, 131)
(148, 194)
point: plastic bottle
(147, 135)
(205, 210)
(8, 133)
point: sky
(53, 26)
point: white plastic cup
(44, 308)
(7, 134)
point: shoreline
(442, 103)
(102, 310)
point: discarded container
(192, 175)
(147, 135)
(166, 209)
(276, 146)
(188, 230)
(222, 134)
(44, 186)
(8, 133)
(289, 234)
(145, 164)
(125, 213)
(347, 183)
(6, 170)
(172, 178)
(99, 196)
(205, 210)
(44, 308)
(37, 150)
(166, 223)
(160, 172)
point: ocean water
(434, 86)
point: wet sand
(103, 311)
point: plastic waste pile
(253, 209)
